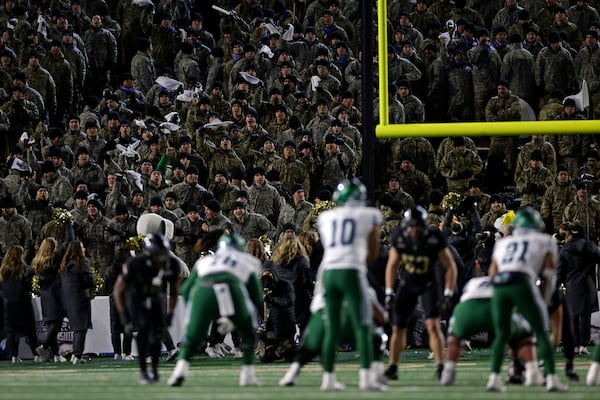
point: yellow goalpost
(386, 130)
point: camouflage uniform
(391, 223)
(554, 69)
(588, 215)
(219, 221)
(117, 233)
(459, 169)
(165, 42)
(319, 126)
(219, 158)
(40, 79)
(59, 188)
(92, 174)
(556, 198)
(587, 67)
(548, 154)
(295, 214)
(101, 49)
(186, 235)
(518, 67)
(552, 109)
(486, 73)
(224, 194)
(62, 74)
(414, 111)
(23, 115)
(335, 168)
(253, 226)
(143, 71)
(491, 216)
(570, 148)
(265, 200)
(291, 170)
(420, 152)
(533, 183)
(503, 109)
(191, 193)
(446, 146)
(15, 231)
(94, 236)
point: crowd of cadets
(114, 110)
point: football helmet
(350, 192)
(528, 218)
(232, 240)
(414, 216)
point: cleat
(117, 357)
(583, 350)
(534, 378)
(391, 372)
(367, 381)
(554, 385)
(447, 377)
(572, 376)
(248, 376)
(593, 375)
(43, 353)
(329, 383)
(495, 384)
(179, 373)
(289, 379)
(144, 379)
(128, 357)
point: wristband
(389, 291)
(448, 292)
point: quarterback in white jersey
(518, 262)
(350, 237)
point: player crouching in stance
(223, 287)
(517, 262)
(472, 316)
(350, 236)
(312, 337)
(137, 294)
(415, 250)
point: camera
(586, 179)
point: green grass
(104, 378)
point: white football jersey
(230, 261)
(344, 233)
(524, 252)
(477, 288)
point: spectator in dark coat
(76, 279)
(576, 270)
(46, 265)
(15, 287)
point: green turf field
(104, 378)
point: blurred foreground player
(137, 294)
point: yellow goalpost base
(506, 128)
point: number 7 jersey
(344, 233)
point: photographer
(460, 227)
(277, 330)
